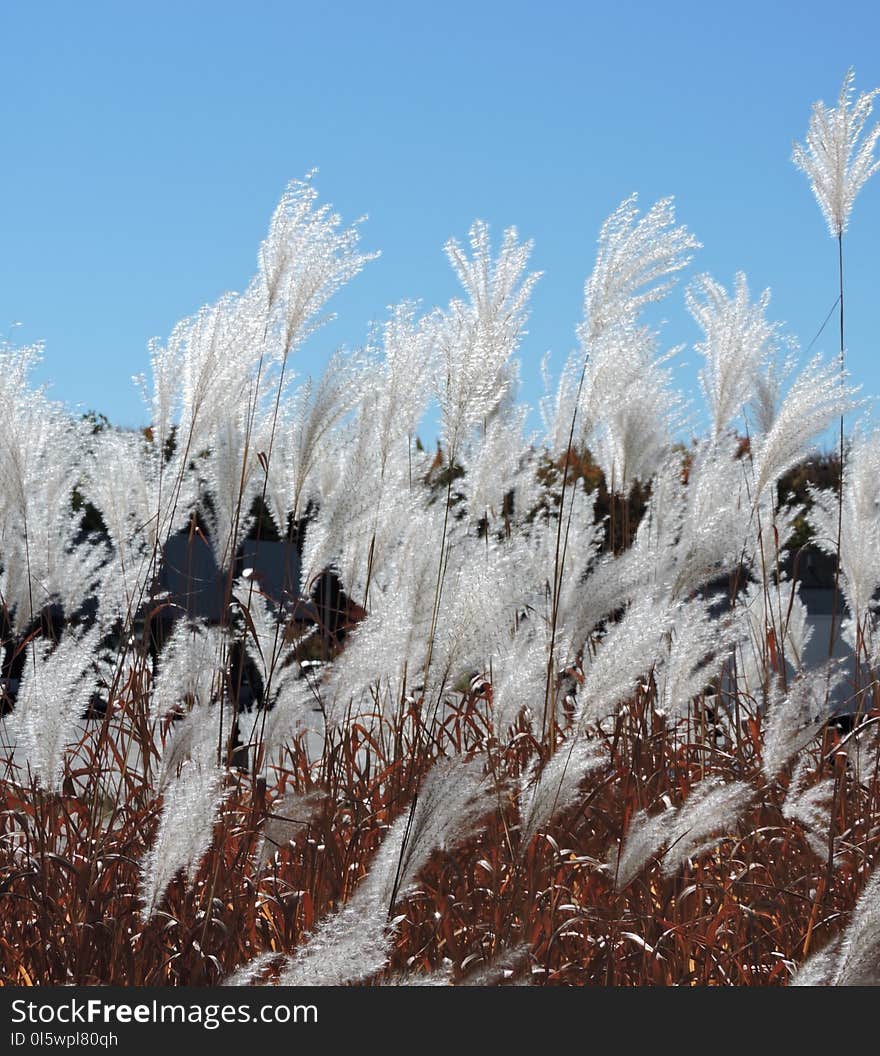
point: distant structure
(825, 609)
(196, 587)
(195, 584)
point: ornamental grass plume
(475, 338)
(838, 166)
(860, 532)
(794, 718)
(354, 942)
(854, 958)
(191, 802)
(816, 397)
(555, 787)
(738, 341)
(56, 686)
(638, 259)
(712, 807)
(832, 157)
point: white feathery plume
(304, 429)
(832, 158)
(791, 621)
(714, 520)
(526, 491)
(629, 404)
(305, 258)
(163, 403)
(817, 397)
(697, 646)
(250, 974)
(775, 614)
(533, 555)
(56, 686)
(560, 405)
(519, 679)
(118, 481)
(859, 959)
(41, 461)
(738, 342)
(627, 410)
(295, 709)
(222, 386)
(613, 583)
(709, 810)
(610, 586)
(810, 806)
(627, 653)
(143, 496)
(479, 600)
(403, 382)
(358, 523)
(859, 541)
(46, 567)
(646, 835)
(819, 968)
(770, 529)
(491, 470)
(636, 265)
(191, 802)
(475, 339)
(227, 385)
(198, 732)
(364, 511)
(794, 719)
(232, 476)
(220, 347)
(453, 799)
(265, 641)
(392, 638)
(353, 943)
(191, 667)
(863, 749)
(553, 788)
(767, 388)
(664, 520)
(189, 686)
(685, 831)
(338, 531)
(854, 958)
(367, 550)
(689, 534)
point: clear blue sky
(145, 146)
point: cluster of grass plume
(564, 732)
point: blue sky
(144, 148)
